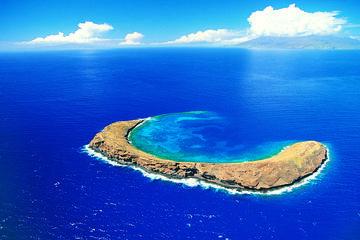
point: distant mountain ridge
(310, 42)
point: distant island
(294, 163)
(307, 42)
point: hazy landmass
(310, 42)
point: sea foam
(144, 120)
(194, 182)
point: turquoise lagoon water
(199, 136)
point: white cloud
(237, 40)
(293, 21)
(87, 32)
(132, 38)
(207, 36)
(285, 22)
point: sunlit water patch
(199, 137)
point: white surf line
(194, 182)
(129, 133)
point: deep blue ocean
(53, 103)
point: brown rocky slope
(296, 162)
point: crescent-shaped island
(289, 166)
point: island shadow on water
(167, 144)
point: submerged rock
(294, 163)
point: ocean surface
(53, 103)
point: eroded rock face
(289, 166)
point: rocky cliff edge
(294, 163)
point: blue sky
(161, 21)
